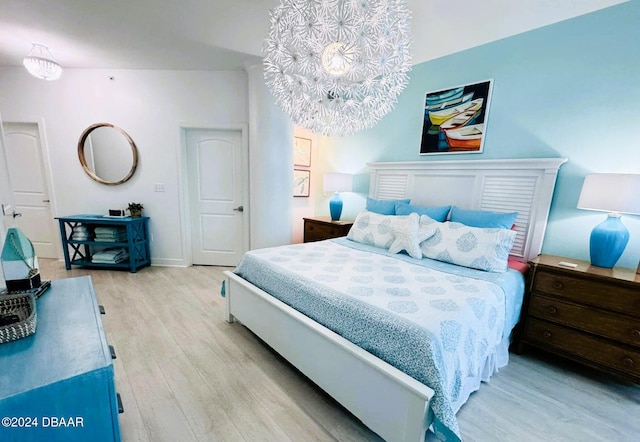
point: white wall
(270, 165)
(151, 106)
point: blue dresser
(58, 384)
(81, 251)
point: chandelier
(40, 63)
(338, 66)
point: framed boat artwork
(455, 119)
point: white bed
(390, 402)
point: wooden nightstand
(321, 227)
(587, 313)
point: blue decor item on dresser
(58, 384)
(337, 182)
(608, 241)
(615, 193)
(335, 206)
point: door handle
(239, 209)
(16, 214)
(45, 201)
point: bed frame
(389, 402)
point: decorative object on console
(40, 63)
(19, 262)
(135, 209)
(338, 67)
(455, 119)
(336, 182)
(615, 193)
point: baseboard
(167, 262)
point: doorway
(28, 187)
(217, 185)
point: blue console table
(79, 252)
(58, 384)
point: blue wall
(571, 89)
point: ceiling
(226, 34)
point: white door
(28, 186)
(216, 180)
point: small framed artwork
(455, 119)
(301, 179)
(301, 152)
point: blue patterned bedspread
(436, 322)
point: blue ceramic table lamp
(336, 182)
(615, 193)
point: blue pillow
(483, 218)
(435, 213)
(384, 207)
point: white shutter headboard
(503, 185)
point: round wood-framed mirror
(107, 154)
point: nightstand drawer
(619, 298)
(318, 230)
(610, 325)
(324, 230)
(568, 341)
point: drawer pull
(552, 310)
(635, 333)
(558, 285)
(546, 334)
(627, 361)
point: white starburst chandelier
(338, 66)
(40, 63)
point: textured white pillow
(409, 235)
(395, 233)
(484, 249)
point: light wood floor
(184, 374)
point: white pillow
(478, 248)
(395, 233)
(409, 235)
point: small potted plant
(135, 209)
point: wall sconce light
(40, 63)
(615, 193)
(336, 182)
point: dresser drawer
(610, 325)
(602, 352)
(621, 298)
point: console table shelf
(80, 252)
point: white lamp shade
(337, 182)
(611, 192)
